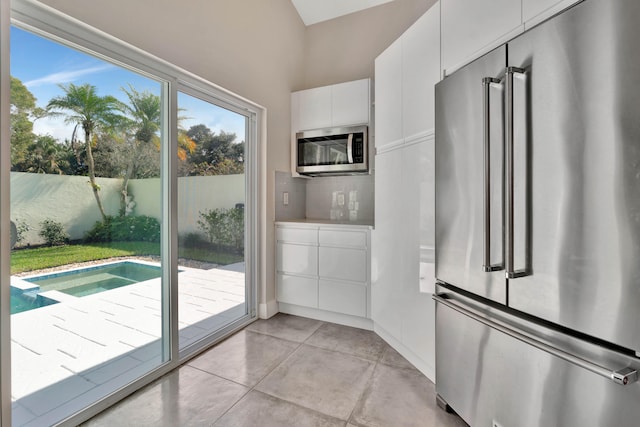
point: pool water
(92, 280)
(26, 301)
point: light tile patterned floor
(288, 371)
(67, 354)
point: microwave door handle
(350, 148)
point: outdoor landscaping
(96, 195)
(222, 242)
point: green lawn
(45, 257)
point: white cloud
(53, 126)
(66, 76)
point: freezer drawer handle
(486, 90)
(624, 376)
(511, 272)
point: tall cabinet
(471, 28)
(403, 238)
(449, 35)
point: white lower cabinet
(298, 290)
(300, 259)
(324, 267)
(343, 297)
(342, 263)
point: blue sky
(42, 65)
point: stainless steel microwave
(334, 151)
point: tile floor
(288, 371)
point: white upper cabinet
(406, 73)
(473, 27)
(343, 104)
(350, 103)
(420, 73)
(314, 108)
(536, 11)
(388, 84)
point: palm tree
(144, 111)
(44, 156)
(82, 106)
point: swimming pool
(100, 278)
(28, 300)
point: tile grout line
(366, 389)
(253, 388)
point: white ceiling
(314, 11)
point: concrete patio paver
(61, 352)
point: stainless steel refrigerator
(538, 225)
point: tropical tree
(144, 111)
(23, 103)
(83, 107)
(45, 155)
(215, 154)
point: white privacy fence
(70, 201)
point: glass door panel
(86, 286)
(211, 218)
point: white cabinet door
(297, 235)
(342, 297)
(536, 11)
(387, 262)
(388, 84)
(472, 27)
(297, 290)
(295, 112)
(342, 238)
(314, 109)
(297, 259)
(420, 72)
(350, 103)
(342, 264)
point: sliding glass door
(132, 215)
(86, 268)
(211, 217)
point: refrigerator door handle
(511, 272)
(623, 376)
(486, 107)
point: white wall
(70, 201)
(195, 194)
(62, 198)
(345, 48)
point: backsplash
(338, 198)
(341, 198)
(297, 194)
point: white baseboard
(268, 310)
(428, 370)
(327, 316)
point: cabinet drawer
(343, 264)
(347, 298)
(297, 290)
(297, 235)
(343, 238)
(297, 259)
